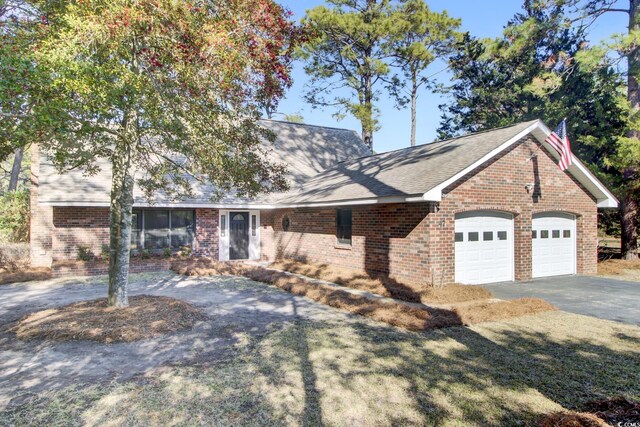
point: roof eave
(604, 198)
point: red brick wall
(75, 227)
(409, 242)
(391, 238)
(500, 184)
(207, 232)
(41, 218)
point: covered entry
(239, 234)
(484, 250)
(553, 237)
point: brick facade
(407, 241)
(415, 241)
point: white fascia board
(435, 194)
(228, 206)
(604, 198)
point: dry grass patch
(396, 314)
(23, 274)
(621, 268)
(147, 316)
(571, 419)
(470, 314)
(383, 285)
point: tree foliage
(168, 91)
(14, 216)
(420, 37)
(346, 59)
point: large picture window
(343, 223)
(154, 229)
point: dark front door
(239, 244)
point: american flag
(560, 141)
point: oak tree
(167, 91)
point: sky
(482, 18)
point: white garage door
(484, 247)
(553, 244)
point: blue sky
(482, 18)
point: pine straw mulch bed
(396, 314)
(620, 268)
(599, 413)
(146, 316)
(383, 285)
(23, 274)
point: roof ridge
(308, 124)
(442, 141)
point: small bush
(145, 254)
(14, 216)
(185, 251)
(166, 253)
(84, 253)
(104, 255)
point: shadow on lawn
(457, 373)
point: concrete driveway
(237, 308)
(593, 296)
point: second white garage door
(553, 244)
(484, 247)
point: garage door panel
(484, 247)
(553, 244)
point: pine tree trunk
(120, 223)
(414, 102)
(15, 170)
(629, 206)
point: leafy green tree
(421, 36)
(620, 47)
(293, 118)
(532, 72)
(346, 59)
(167, 91)
(14, 216)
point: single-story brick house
(486, 207)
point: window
(155, 229)
(286, 223)
(136, 230)
(534, 234)
(544, 234)
(459, 237)
(566, 234)
(502, 235)
(555, 234)
(343, 223)
(472, 236)
(223, 225)
(487, 235)
(253, 225)
(182, 228)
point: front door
(239, 234)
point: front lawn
(366, 373)
(620, 269)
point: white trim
(605, 199)
(224, 241)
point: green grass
(366, 373)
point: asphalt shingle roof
(406, 172)
(306, 150)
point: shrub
(105, 253)
(166, 253)
(14, 216)
(145, 254)
(84, 253)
